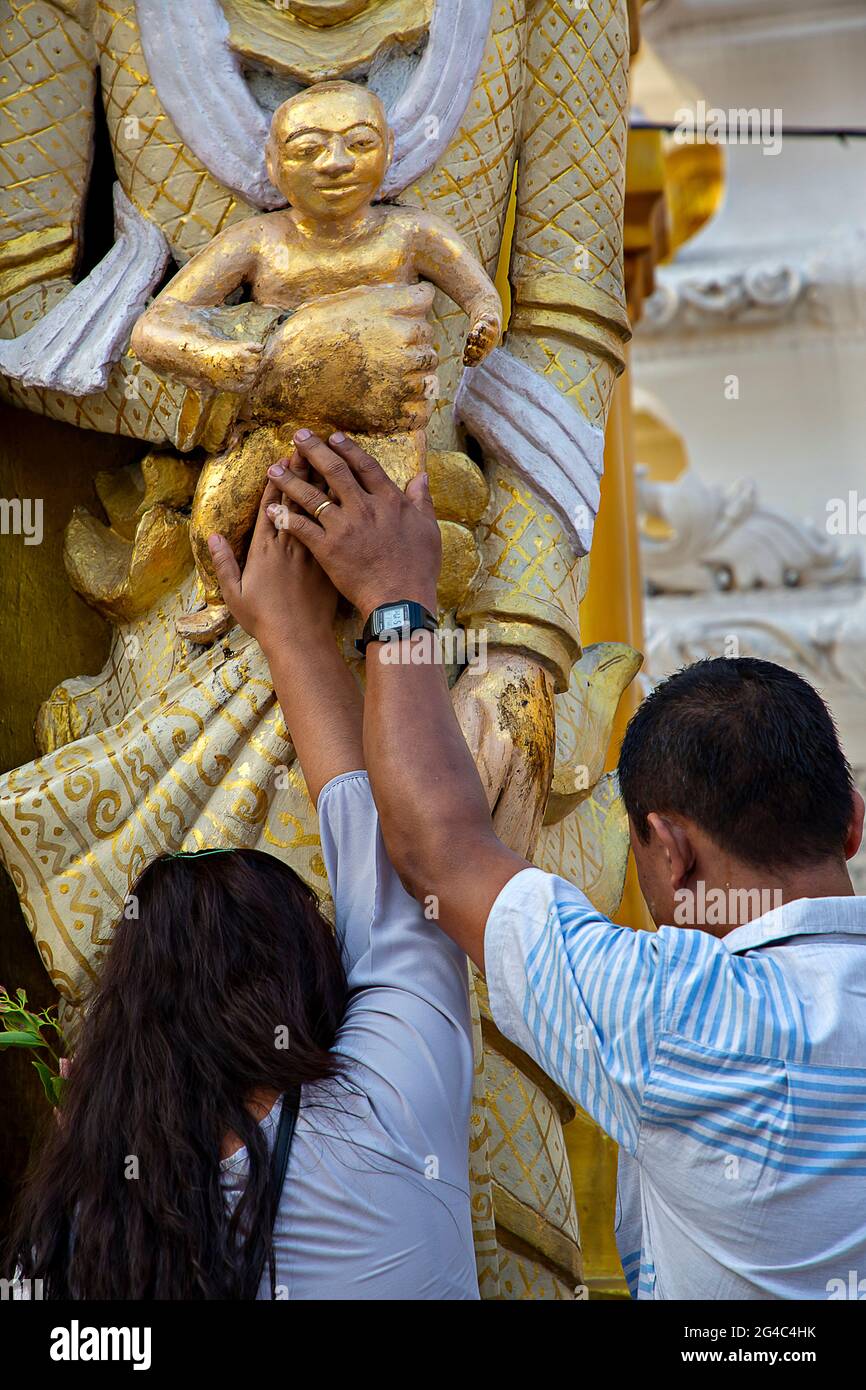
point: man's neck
(737, 894)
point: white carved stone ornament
(75, 345)
(818, 632)
(817, 628)
(762, 294)
(521, 419)
(724, 539)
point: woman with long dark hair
(257, 1106)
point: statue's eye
(360, 139)
(305, 149)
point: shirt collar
(804, 917)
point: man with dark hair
(741, 758)
(725, 1052)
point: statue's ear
(390, 158)
(270, 163)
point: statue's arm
(538, 407)
(443, 258)
(177, 334)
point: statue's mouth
(336, 189)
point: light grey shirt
(376, 1199)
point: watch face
(390, 618)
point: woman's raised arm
(284, 600)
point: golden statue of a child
(328, 151)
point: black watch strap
(395, 620)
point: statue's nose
(336, 159)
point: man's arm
(585, 999)
(434, 815)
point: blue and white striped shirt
(732, 1073)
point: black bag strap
(279, 1164)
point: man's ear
(676, 846)
(855, 826)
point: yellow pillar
(607, 610)
(611, 611)
(503, 284)
(626, 406)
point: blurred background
(750, 358)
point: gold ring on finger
(321, 507)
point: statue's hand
(507, 717)
(236, 366)
(483, 337)
(190, 343)
(361, 359)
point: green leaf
(17, 1038)
(49, 1081)
(18, 1018)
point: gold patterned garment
(168, 753)
(171, 748)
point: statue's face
(329, 149)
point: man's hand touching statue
(379, 544)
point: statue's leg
(226, 501)
(402, 454)
(227, 497)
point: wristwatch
(393, 620)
